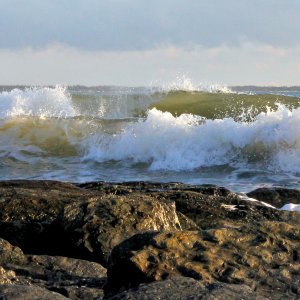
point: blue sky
(139, 42)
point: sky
(142, 42)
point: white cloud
(248, 63)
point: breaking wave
(187, 142)
(133, 131)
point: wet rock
(180, 288)
(265, 258)
(95, 226)
(17, 292)
(277, 197)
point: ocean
(240, 137)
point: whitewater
(240, 140)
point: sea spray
(37, 102)
(188, 142)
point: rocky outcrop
(158, 240)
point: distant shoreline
(237, 88)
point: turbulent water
(240, 140)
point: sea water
(238, 138)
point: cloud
(248, 63)
(128, 25)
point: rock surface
(70, 277)
(277, 197)
(10, 254)
(95, 226)
(179, 288)
(27, 208)
(266, 258)
(159, 240)
(23, 292)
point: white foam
(36, 101)
(244, 197)
(187, 142)
(291, 207)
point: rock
(163, 239)
(265, 257)
(214, 207)
(27, 208)
(6, 277)
(68, 267)
(18, 292)
(95, 226)
(277, 197)
(60, 273)
(35, 201)
(73, 278)
(181, 288)
(80, 292)
(204, 206)
(10, 254)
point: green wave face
(219, 105)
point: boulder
(93, 227)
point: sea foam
(37, 102)
(188, 142)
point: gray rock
(184, 288)
(71, 267)
(23, 292)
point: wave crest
(37, 102)
(189, 142)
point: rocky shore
(146, 241)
